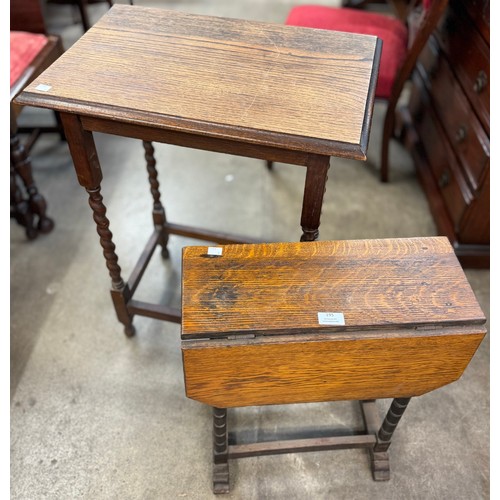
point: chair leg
(82, 6)
(269, 165)
(21, 165)
(388, 134)
(19, 207)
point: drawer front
(468, 55)
(475, 227)
(445, 169)
(464, 131)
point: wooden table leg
(379, 460)
(314, 190)
(88, 170)
(390, 422)
(159, 217)
(120, 292)
(220, 451)
(379, 453)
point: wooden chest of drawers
(446, 127)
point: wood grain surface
(279, 288)
(251, 334)
(305, 369)
(266, 83)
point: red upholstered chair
(402, 43)
(31, 52)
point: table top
(270, 84)
(279, 288)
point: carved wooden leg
(82, 7)
(220, 451)
(379, 454)
(120, 292)
(379, 460)
(19, 207)
(88, 170)
(159, 217)
(390, 422)
(22, 167)
(314, 190)
(388, 134)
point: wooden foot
(380, 466)
(220, 478)
(129, 330)
(269, 165)
(309, 234)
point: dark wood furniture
(309, 322)
(227, 85)
(27, 205)
(403, 41)
(446, 128)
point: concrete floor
(95, 415)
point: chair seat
(24, 47)
(392, 31)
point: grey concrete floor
(95, 415)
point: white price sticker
(331, 318)
(214, 251)
(43, 87)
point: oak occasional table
(283, 323)
(266, 91)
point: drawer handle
(444, 180)
(481, 81)
(461, 134)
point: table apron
(197, 141)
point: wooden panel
(459, 120)
(325, 368)
(267, 83)
(479, 12)
(279, 288)
(448, 135)
(27, 15)
(444, 166)
(475, 226)
(469, 56)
